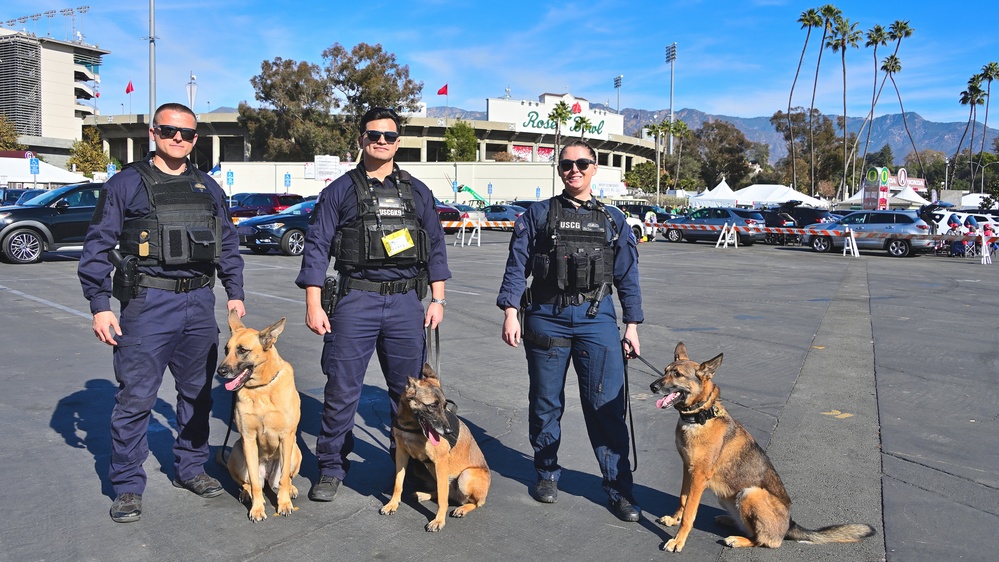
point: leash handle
(627, 342)
(433, 345)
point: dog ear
(269, 335)
(708, 368)
(680, 353)
(235, 323)
(428, 372)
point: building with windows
(49, 90)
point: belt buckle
(385, 289)
(183, 285)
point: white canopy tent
(764, 194)
(720, 196)
(973, 201)
(18, 171)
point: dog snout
(657, 386)
(225, 371)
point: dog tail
(833, 533)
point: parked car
(284, 231)
(638, 227)
(804, 216)
(57, 218)
(639, 211)
(503, 212)
(675, 229)
(901, 223)
(447, 213)
(28, 195)
(778, 218)
(10, 195)
(256, 204)
(522, 203)
(236, 198)
(942, 217)
(471, 213)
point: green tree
(883, 158)
(369, 77)
(680, 132)
(973, 97)
(723, 149)
(8, 135)
(845, 35)
(460, 142)
(876, 37)
(809, 20)
(582, 124)
(88, 153)
(891, 67)
(560, 115)
(989, 73)
(829, 15)
(642, 176)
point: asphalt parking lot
(870, 381)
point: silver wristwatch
(441, 302)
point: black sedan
(284, 231)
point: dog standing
(426, 431)
(720, 455)
(267, 412)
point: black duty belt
(565, 299)
(381, 287)
(177, 285)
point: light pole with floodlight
(617, 86)
(671, 58)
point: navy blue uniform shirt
(534, 224)
(124, 197)
(337, 206)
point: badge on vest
(398, 241)
(198, 186)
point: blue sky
(733, 57)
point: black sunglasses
(373, 136)
(169, 132)
(582, 164)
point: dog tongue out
(431, 434)
(667, 401)
(239, 381)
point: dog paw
(389, 508)
(673, 545)
(423, 496)
(285, 508)
(257, 514)
(736, 541)
(460, 512)
(294, 492)
(435, 525)
(668, 521)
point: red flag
(442, 91)
(129, 89)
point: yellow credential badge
(398, 241)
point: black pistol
(329, 294)
(123, 284)
(602, 292)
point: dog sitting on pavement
(267, 413)
(720, 455)
(427, 431)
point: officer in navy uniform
(171, 225)
(382, 227)
(577, 250)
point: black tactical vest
(381, 211)
(181, 226)
(577, 254)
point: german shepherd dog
(720, 455)
(425, 430)
(268, 409)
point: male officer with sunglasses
(576, 250)
(381, 225)
(171, 226)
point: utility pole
(617, 85)
(152, 67)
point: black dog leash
(432, 349)
(221, 457)
(631, 420)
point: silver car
(706, 224)
(891, 231)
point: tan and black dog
(720, 455)
(268, 409)
(426, 431)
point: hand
(236, 305)
(511, 327)
(631, 334)
(317, 320)
(435, 315)
(106, 327)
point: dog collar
(704, 411)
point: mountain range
(887, 129)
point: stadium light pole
(671, 58)
(617, 85)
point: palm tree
(844, 35)
(971, 97)
(829, 14)
(989, 73)
(560, 114)
(679, 130)
(892, 66)
(808, 19)
(658, 130)
(583, 123)
(876, 37)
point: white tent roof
(18, 170)
(909, 194)
(972, 201)
(720, 196)
(768, 194)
